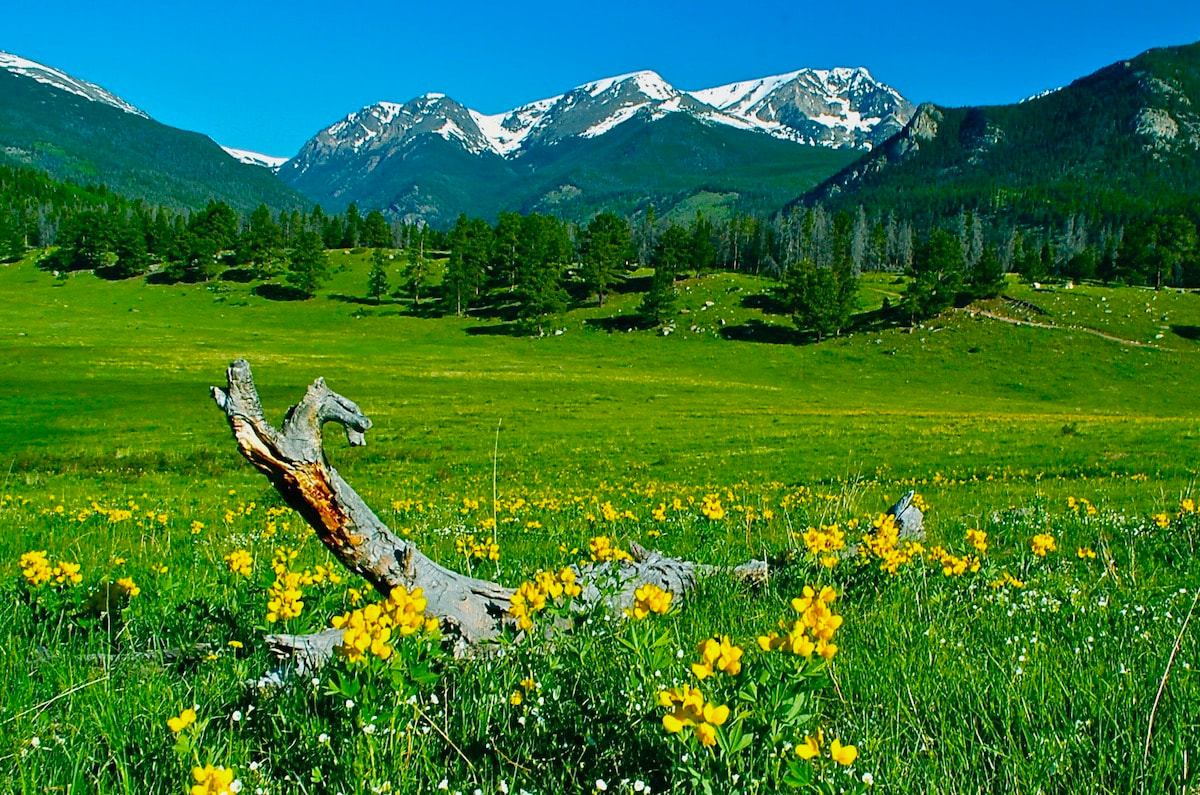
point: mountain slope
(77, 131)
(606, 144)
(667, 161)
(1125, 139)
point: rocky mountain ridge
(838, 108)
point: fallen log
(470, 611)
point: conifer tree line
(815, 256)
(94, 229)
(540, 265)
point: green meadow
(1068, 412)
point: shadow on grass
(620, 323)
(161, 277)
(279, 292)
(113, 273)
(634, 284)
(1187, 332)
(239, 275)
(755, 330)
(500, 330)
(356, 299)
(765, 302)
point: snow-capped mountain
(837, 107)
(631, 136)
(63, 81)
(829, 107)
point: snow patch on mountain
(1040, 94)
(64, 82)
(736, 98)
(255, 158)
(507, 132)
(619, 116)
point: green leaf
(798, 774)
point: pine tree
(12, 244)
(673, 252)
(417, 274)
(506, 239)
(465, 270)
(658, 303)
(542, 249)
(377, 279)
(647, 237)
(1159, 251)
(351, 228)
(860, 242)
(308, 266)
(129, 244)
(817, 297)
(262, 242)
(703, 252)
(217, 224)
(376, 233)
(987, 277)
(938, 267)
(606, 252)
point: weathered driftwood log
(471, 611)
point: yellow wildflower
(285, 597)
(825, 539)
(649, 599)
(810, 748)
(842, 754)
(978, 539)
(35, 568)
(369, 630)
(602, 548)
(212, 781)
(185, 719)
(1043, 543)
(1009, 580)
(711, 507)
(718, 654)
(239, 562)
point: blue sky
(267, 76)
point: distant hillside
(77, 131)
(1124, 140)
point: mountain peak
(64, 82)
(644, 82)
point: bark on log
(471, 611)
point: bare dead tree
(471, 611)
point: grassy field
(114, 458)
